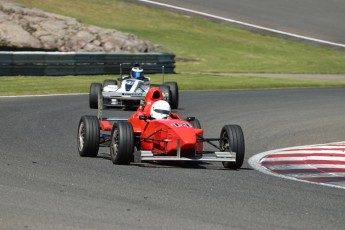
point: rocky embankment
(23, 28)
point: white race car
(129, 93)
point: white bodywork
(130, 89)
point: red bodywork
(162, 136)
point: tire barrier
(82, 63)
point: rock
(48, 42)
(32, 29)
(13, 35)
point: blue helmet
(137, 72)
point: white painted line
(304, 166)
(313, 175)
(45, 95)
(318, 151)
(323, 148)
(273, 159)
(243, 23)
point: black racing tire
(174, 94)
(107, 82)
(95, 89)
(122, 143)
(166, 93)
(195, 123)
(88, 136)
(232, 138)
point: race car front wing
(145, 155)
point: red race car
(153, 133)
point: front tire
(95, 90)
(122, 143)
(88, 136)
(195, 123)
(232, 139)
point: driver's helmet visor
(162, 111)
(137, 74)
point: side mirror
(190, 118)
(143, 117)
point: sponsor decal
(133, 94)
(181, 125)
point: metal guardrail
(82, 63)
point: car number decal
(129, 82)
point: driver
(160, 110)
(137, 73)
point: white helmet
(160, 110)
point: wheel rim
(81, 136)
(115, 143)
(225, 142)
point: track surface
(319, 19)
(44, 184)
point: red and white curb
(322, 164)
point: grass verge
(36, 85)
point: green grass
(200, 45)
(34, 85)
(205, 46)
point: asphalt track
(315, 19)
(44, 184)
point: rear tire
(88, 136)
(109, 82)
(232, 139)
(95, 90)
(166, 93)
(174, 94)
(122, 143)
